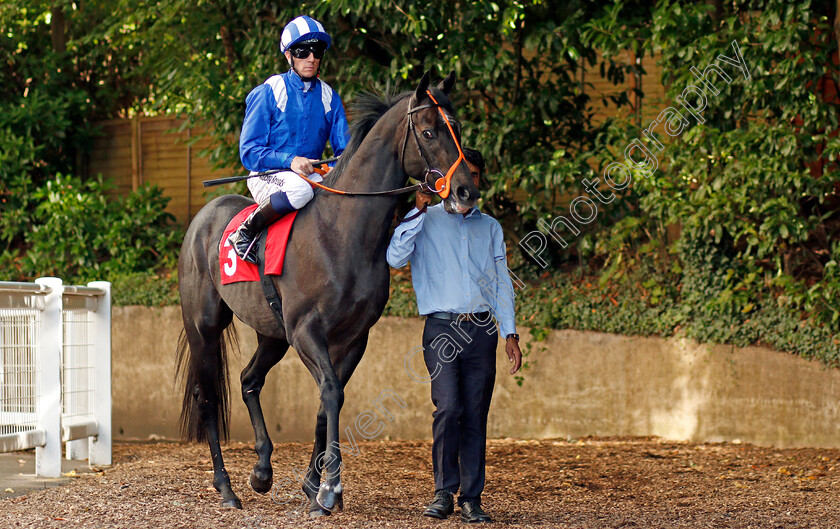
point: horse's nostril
(462, 193)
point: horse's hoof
(327, 499)
(317, 512)
(232, 503)
(339, 502)
(260, 484)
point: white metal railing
(55, 371)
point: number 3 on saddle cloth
(234, 269)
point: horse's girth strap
(268, 288)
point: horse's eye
(428, 134)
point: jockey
(288, 120)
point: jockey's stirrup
(244, 239)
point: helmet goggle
(302, 50)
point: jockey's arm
(254, 148)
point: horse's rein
(416, 187)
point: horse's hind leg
(269, 352)
(206, 399)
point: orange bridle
(441, 186)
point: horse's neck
(364, 220)
(376, 165)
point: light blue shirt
(458, 264)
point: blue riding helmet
(301, 29)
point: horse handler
(460, 277)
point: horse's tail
(214, 374)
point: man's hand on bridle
(422, 199)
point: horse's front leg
(344, 369)
(312, 482)
(312, 346)
(332, 399)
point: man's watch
(513, 335)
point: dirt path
(589, 483)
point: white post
(48, 362)
(100, 446)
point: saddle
(272, 249)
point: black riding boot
(244, 239)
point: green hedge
(699, 297)
(76, 233)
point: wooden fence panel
(598, 88)
(201, 170)
(111, 154)
(655, 100)
(164, 162)
(151, 150)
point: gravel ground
(636, 482)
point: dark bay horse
(333, 289)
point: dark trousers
(462, 363)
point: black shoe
(244, 239)
(441, 507)
(471, 512)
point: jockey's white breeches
(297, 190)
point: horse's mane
(366, 109)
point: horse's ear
(420, 93)
(448, 83)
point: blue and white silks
(287, 117)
